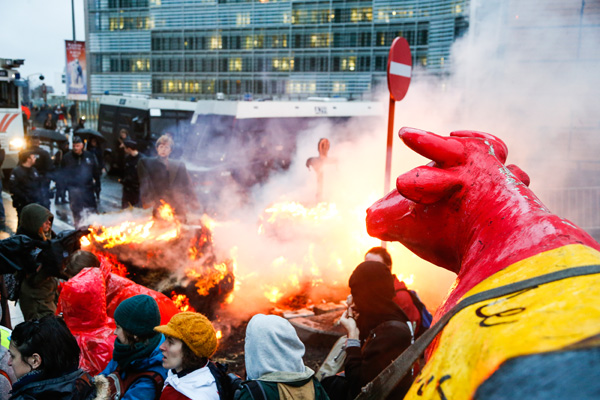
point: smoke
(525, 72)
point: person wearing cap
(274, 365)
(129, 177)
(136, 368)
(82, 178)
(190, 341)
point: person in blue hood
(136, 370)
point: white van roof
(288, 109)
(145, 103)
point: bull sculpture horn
(498, 146)
(445, 151)
(428, 185)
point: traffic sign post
(399, 71)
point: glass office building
(261, 49)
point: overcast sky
(36, 30)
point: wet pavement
(110, 201)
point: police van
(245, 142)
(145, 120)
(12, 130)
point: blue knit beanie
(138, 315)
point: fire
(207, 277)
(168, 256)
(132, 232)
(273, 294)
(165, 212)
(181, 301)
(219, 335)
(293, 211)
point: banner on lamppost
(76, 76)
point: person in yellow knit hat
(190, 342)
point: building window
(235, 64)
(282, 64)
(216, 43)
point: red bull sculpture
(469, 213)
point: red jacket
(169, 393)
(405, 302)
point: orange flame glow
(131, 232)
(182, 302)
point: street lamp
(40, 76)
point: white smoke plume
(525, 72)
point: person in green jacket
(39, 288)
(274, 366)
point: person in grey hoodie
(274, 366)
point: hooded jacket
(384, 330)
(39, 287)
(274, 354)
(142, 389)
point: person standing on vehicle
(162, 179)
(82, 177)
(129, 178)
(44, 167)
(25, 182)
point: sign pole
(390, 142)
(399, 71)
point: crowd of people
(172, 360)
(47, 356)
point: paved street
(110, 200)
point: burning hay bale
(167, 256)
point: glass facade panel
(180, 48)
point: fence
(580, 205)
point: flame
(273, 294)
(219, 335)
(131, 232)
(296, 211)
(166, 212)
(181, 301)
(207, 277)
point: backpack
(227, 383)
(118, 387)
(426, 317)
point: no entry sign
(399, 68)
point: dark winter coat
(383, 345)
(43, 164)
(25, 186)
(81, 171)
(77, 385)
(82, 179)
(130, 181)
(168, 183)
